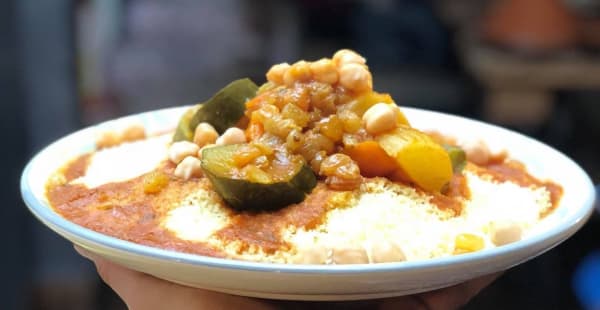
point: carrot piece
(254, 103)
(371, 159)
(254, 130)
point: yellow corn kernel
(155, 182)
(465, 243)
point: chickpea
(346, 56)
(108, 139)
(205, 134)
(181, 149)
(350, 255)
(129, 133)
(384, 251)
(276, 73)
(134, 132)
(504, 232)
(188, 167)
(324, 71)
(356, 77)
(477, 152)
(380, 118)
(311, 255)
(232, 135)
(299, 71)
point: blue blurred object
(598, 198)
(586, 280)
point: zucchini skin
(223, 110)
(244, 195)
(227, 106)
(457, 156)
(184, 132)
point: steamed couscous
(312, 167)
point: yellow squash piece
(361, 104)
(420, 159)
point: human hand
(142, 291)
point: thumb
(141, 291)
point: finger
(136, 289)
(456, 296)
(411, 302)
(141, 291)
(448, 298)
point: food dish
(312, 167)
(301, 281)
(313, 282)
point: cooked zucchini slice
(226, 107)
(287, 180)
(458, 157)
(184, 131)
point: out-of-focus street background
(529, 65)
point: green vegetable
(222, 111)
(227, 106)
(457, 157)
(264, 193)
(184, 131)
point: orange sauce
(454, 196)
(514, 171)
(123, 210)
(263, 229)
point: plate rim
(43, 212)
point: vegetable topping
(310, 120)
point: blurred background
(530, 65)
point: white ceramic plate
(342, 282)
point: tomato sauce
(123, 210)
(514, 171)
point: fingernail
(83, 252)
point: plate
(316, 282)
